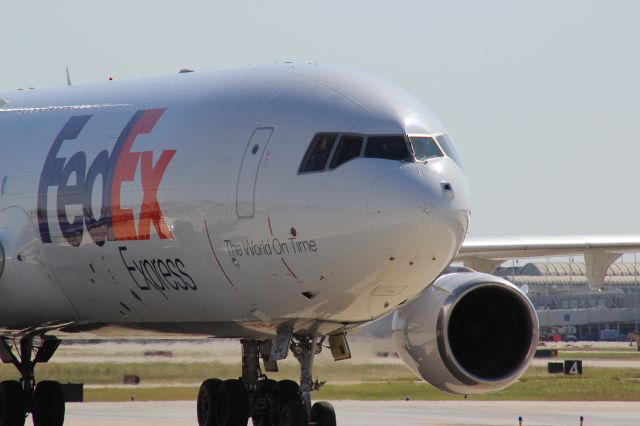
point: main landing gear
(43, 400)
(267, 402)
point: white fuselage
(176, 205)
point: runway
(379, 413)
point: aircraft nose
(420, 211)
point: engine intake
(468, 333)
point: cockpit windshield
(425, 148)
(329, 151)
(387, 147)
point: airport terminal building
(566, 306)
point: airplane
(282, 205)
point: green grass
(162, 372)
(621, 355)
(607, 349)
(347, 380)
(605, 384)
(596, 384)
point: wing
(2, 102)
(485, 254)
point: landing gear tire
(232, 404)
(13, 404)
(293, 414)
(207, 397)
(283, 392)
(265, 391)
(267, 402)
(323, 414)
(48, 404)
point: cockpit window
(387, 147)
(425, 148)
(348, 148)
(448, 148)
(318, 153)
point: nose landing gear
(44, 400)
(265, 401)
(305, 350)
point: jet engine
(468, 333)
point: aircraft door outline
(249, 170)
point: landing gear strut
(305, 349)
(44, 400)
(265, 401)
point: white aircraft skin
(360, 239)
(210, 204)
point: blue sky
(541, 98)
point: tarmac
(379, 413)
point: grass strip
(346, 381)
(162, 372)
(596, 384)
(599, 355)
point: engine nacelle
(468, 333)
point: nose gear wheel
(265, 401)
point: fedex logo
(74, 179)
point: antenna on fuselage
(68, 78)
